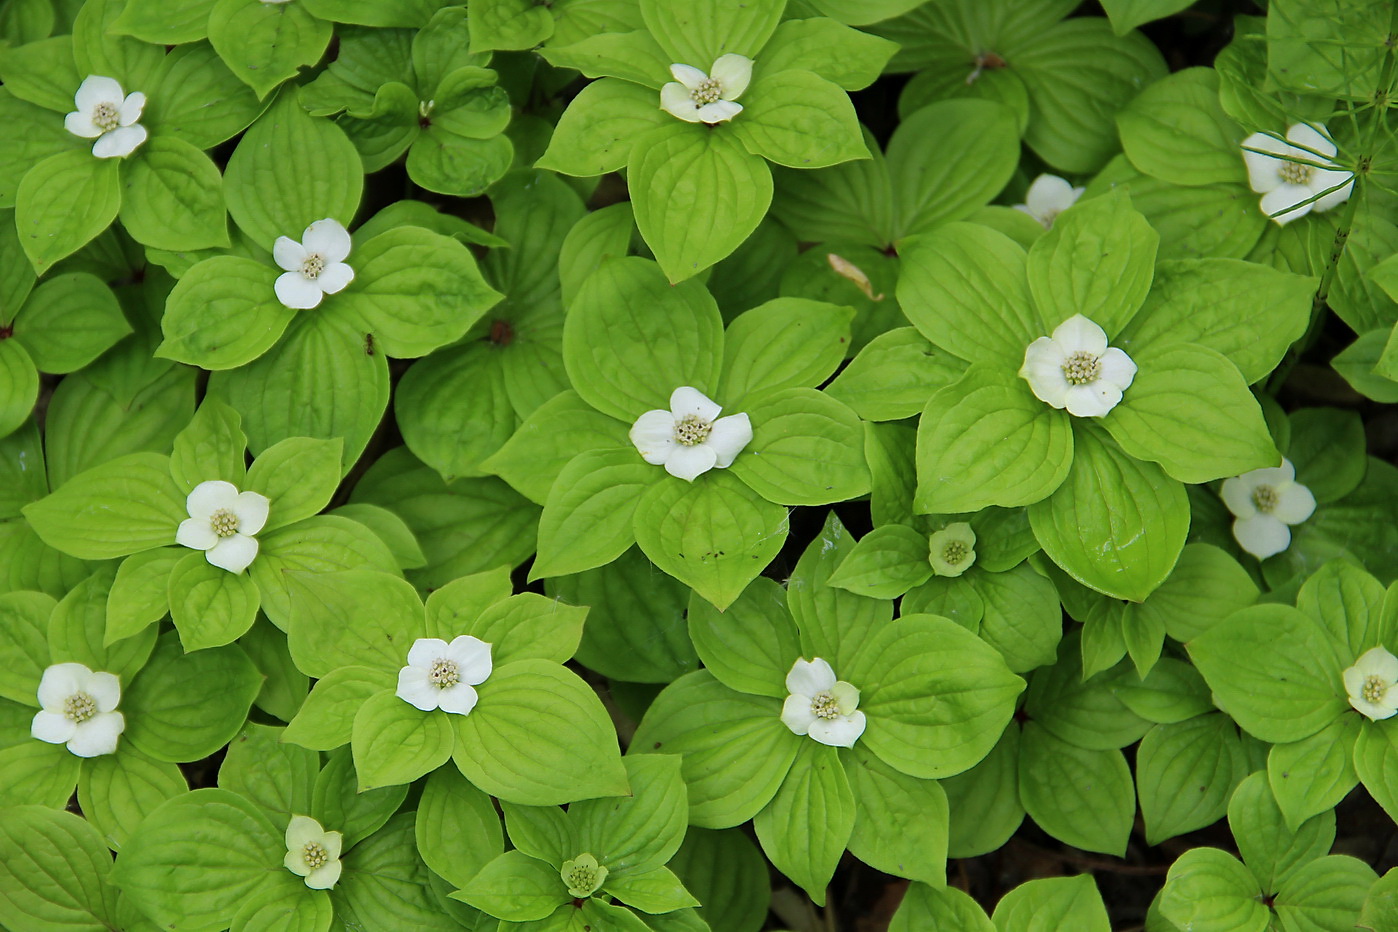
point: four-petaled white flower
(1048, 197)
(690, 438)
(1265, 502)
(444, 676)
(1284, 183)
(952, 550)
(221, 523)
(696, 97)
(1372, 684)
(79, 710)
(821, 706)
(315, 267)
(108, 114)
(583, 875)
(1075, 369)
(312, 852)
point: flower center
(444, 673)
(105, 117)
(314, 854)
(312, 266)
(692, 429)
(1374, 688)
(955, 551)
(1264, 498)
(708, 91)
(80, 707)
(1296, 173)
(824, 705)
(1082, 368)
(224, 522)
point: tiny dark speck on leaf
(656, 746)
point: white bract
(221, 523)
(1285, 184)
(821, 706)
(952, 550)
(1048, 197)
(1076, 370)
(79, 710)
(696, 97)
(444, 676)
(1372, 684)
(108, 114)
(1264, 502)
(315, 267)
(690, 438)
(312, 852)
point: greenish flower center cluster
(1374, 688)
(444, 673)
(691, 430)
(1296, 173)
(708, 91)
(105, 117)
(313, 265)
(224, 522)
(314, 854)
(1082, 368)
(1264, 498)
(824, 705)
(79, 707)
(955, 551)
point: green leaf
(1080, 797)
(508, 24)
(1211, 891)
(714, 534)
(284, 687)
(69, 321)
(453, 409)
(266, 43)
(725, 871)
(1349, 604)
(24, 648)
(900, 822)
(1273, 670)
(924, 906)
(1185, 773)
(1381, 904)
(389, 528)
(587, 520)
(97, 50)
(1084, 711)
(523, 627)
(548, 440)
(299, 475)
(284, 903)
(1189, 410)
(805, 828)
(1327, 891)
(211, 446)
(172, 197)
(1326, 49)
(654, 891)
(807, 449)
(700, 32)
(1021, 619)
(209, 605)
(223, 314)
(1205, 587)
(124, 506)
(37, 773)
(783, 343)
(639, 833)
(1177, 131)
(357, 617)
(886, 563)
(1311, 776)
(415, 290)
(964, 288)
(539, 737)
(1126, 15)
(289, 170)
(1357, 363)
(800, 120)
(183, 707)
(140, 594)
(152, 21)
(117, 792)
(449, 811)
(20, 383)
(983, 802)
(516, 887)
(1116, 524)
(1272, 851)
(275, 776)
(219, 845)
(736, 750)
(396, 743)
(849, 58)
(1375, 754)
(894, 375)
(53, 872)
(1325, 449)
(1097, 261)
(63, 202)
(326, 718)
(697, 195)
(386, 885)
(42, 72)
(986, 440)
(1052, 903)
(76, 630)
(598, 131)
(195, 97)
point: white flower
(108, 114)
(1048, 197)
(1075, 369)
(690, 438)
(1264, 502)
(821, 706)
(1286, 184)
(952, 550)
(79, 710)
(221, 523)
(312, 852)
(696, 97)
(444, 676)
(1372, 684)
(315, 267)
(583, 875)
